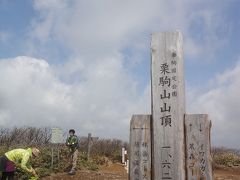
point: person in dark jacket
(72, 143)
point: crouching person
(18, 158)
(72, 143)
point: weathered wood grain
(198, 147)
(168, 106)
(140, 148)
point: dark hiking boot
(72, 172)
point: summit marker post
(168, 106)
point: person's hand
(34, 173)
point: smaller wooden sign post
(198, 147)
(56, 139)
(140, 150)
(90, 143)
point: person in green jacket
(72, 143)
(17, 158)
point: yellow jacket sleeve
(24, 162)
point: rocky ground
(227, 173)
(118, 172)
(115, 171)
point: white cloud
(222, 104)
(32, 94)
(97, 28)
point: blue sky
(15, 17)
(89, 62)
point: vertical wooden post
(168, 106)
(140, 148)
(123, 155)
(52, 158)
(89, 146)
(198, 147)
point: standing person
(72, 143)
(17, 158)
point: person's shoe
(74, 169)
(72, 172)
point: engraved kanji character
(136, 162)
(145, 176)
(166, 170)
(145, 144)
(191, 165)
(174, 78)
(164, 109)
(191, 146)
(174, 62)
(203, 168)
(165, 95)
(174, 93)
(174, 70)
(191, 156)
(137, 153)
(145, 169)
(145, 154)
(164, 68)
(137, 144)
(165, 80)
(145, 161)
(174, 86)
(136, 171)
(202, 161)
(201, 153)
(166, 121)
